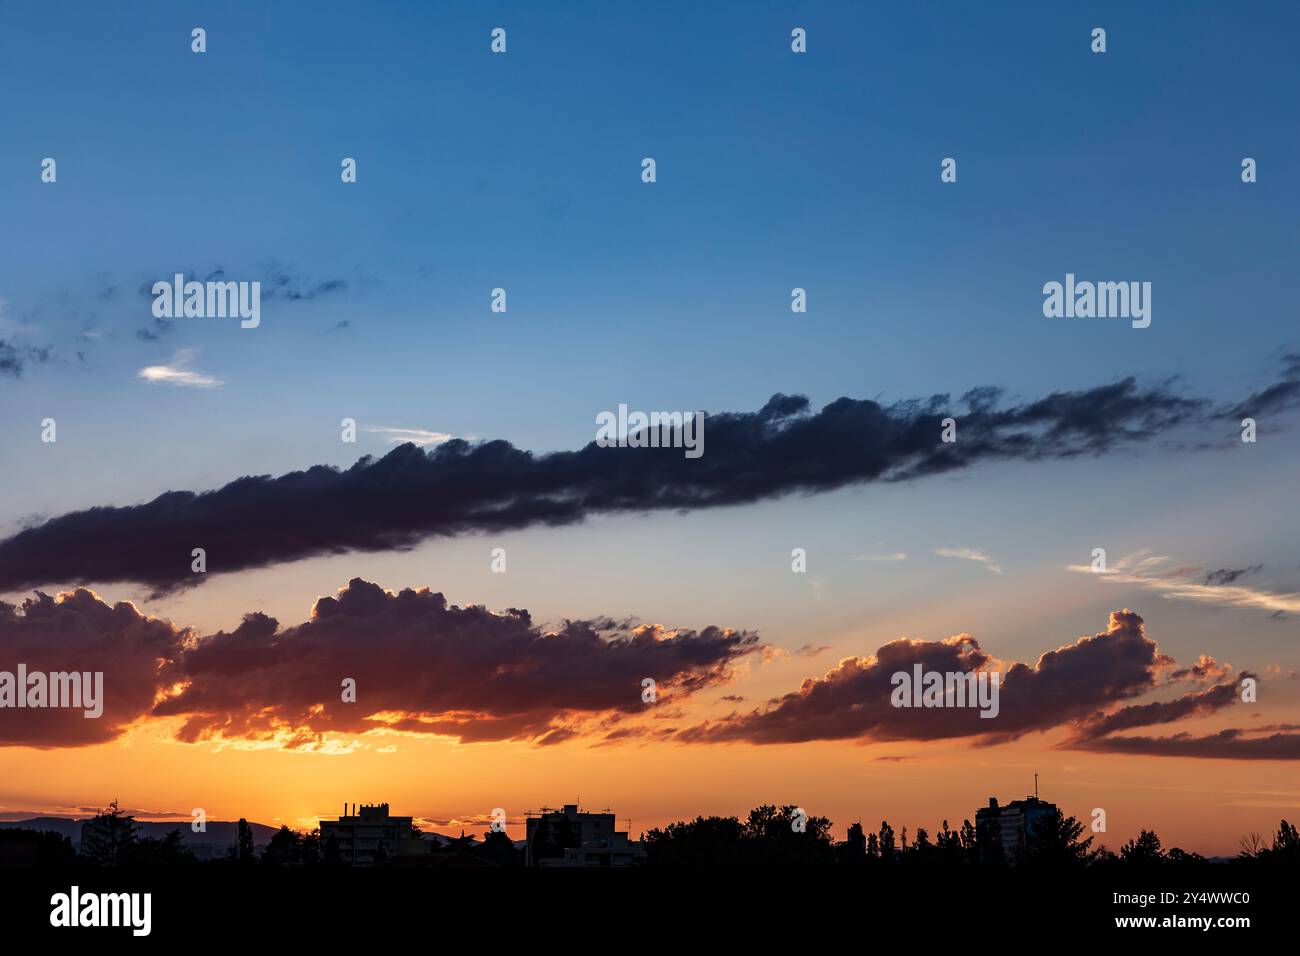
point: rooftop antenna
(1035, 786)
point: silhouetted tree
(244, 848)
(1054, 841)
(284, 847)
(20, 846)
(1283, 851)
(311, 847)
(705, 841)
(886, 841)
(499, 848)
(1286, 844)
(770, 837)
(969, 842)
(169, 851)
(1144, 851)
(107, 838)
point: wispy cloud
(416, 436)
(891, 556)
(178, 372)
(971, 554)
(1149, 571)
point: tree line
(772, 835)
(768, 836)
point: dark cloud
(424, 666)
(14, 357)
(1228, 744)
(79, 632)
(282, 282)
(1280, 396)
(1230, 575)
(853, 699)
(429, 667)
(1195, 704)
(420, 666)
(279, 282)
(152, 333)
(1075, 687)
(410, 494)
(811, 650)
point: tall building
(573, 837)
(369, 835)
(1006, 828)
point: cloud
(970, 554)
(416, 436)
(15, 357)
(278, 282)
(79, 632)
(811, 650)
(1230, 744)
(1280, 396)
(1229, 575)
(1148, 571)
(457, 487)
(420, 665)
(179, 373)
(1195, 704)
(1205, 668)
(852, 700)
(1078, 687)
(891, 556)
(423, 666)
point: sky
(774, 170)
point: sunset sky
(775, 170)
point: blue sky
(774, 171)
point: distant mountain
(68, 828)
(220, 834)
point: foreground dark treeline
(768, 836)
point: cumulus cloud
(1079, 687)
(424, 666)
(79, 632)
(852, 700)
(420, 665)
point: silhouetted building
(1006, 829)
(573, 837)
(857, 839)
(369, 835)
